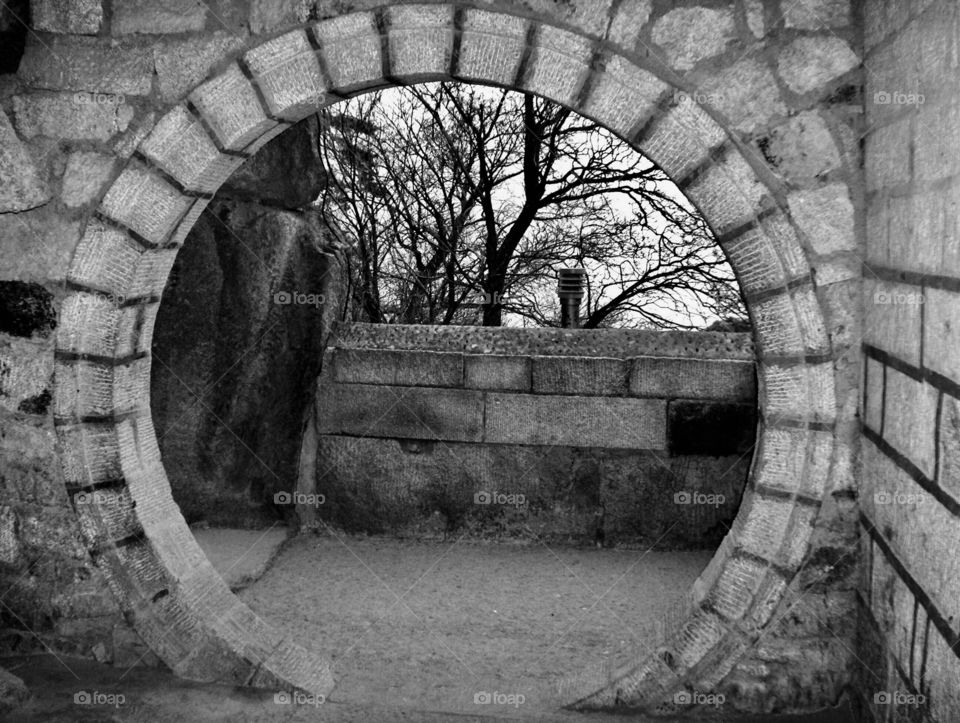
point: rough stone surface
(151, 18)
(84, 177)
(70, 116)
(81, 17)
(182, 64)
(802, 147)
(37, 245)
(826, 217)
(808, 64)
(21, 185)
(815, 14)
(689, 35)
(745, 92)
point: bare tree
(455, 193)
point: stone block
(230, 105)
(623, 96)
(766, 257)
(745, 92)
(580, 375)
(420, 40)
(93, 324)
(22, 185)
(893, 318)
(181, 64)
(27, 375)
(812, 63)
(679, 378)
(887, 155)
(401, 412)
(88, 65)
(793, 460)
(790, 324)
(738, 584)
(873, 391)
(38, 244)
(941, 332)
(85, 177)
(180, 146)
(630, 17)
(826, 217)
(491, 46)
(950, 445)
(799, 392)
(910, 419)
(145, 203)
(489, 371)
(351, 48)
(816, 14)
(288, 73)
(148, 17)
(689, 35)
(728, 194)
(803, 147)
(26, 309)
(428, 369)
(558, 65)
(86, 389)
(574, 421)
(710, 428)
(108, 260)
(682, 138)
(269, 15)
(74, 17)
(70, 116)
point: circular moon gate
(165, 585)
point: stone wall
(554, 434)
(910, 468)
(123, 120)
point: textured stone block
(790, 324)
(491, 46)
(624, 96)
(109, 260)
(738, 584)
(93, 324)
(351, 49)
(21, 184)
(402, 368)
(288, 73)
(401, 412)
(179, 145)
(816, 14)
(803, 147)
(689, 35)
(810, 63)
(766, 524)
(145, 203)
(487, 371)
(84, 178)
(420, 40)
(793, 460)
(765, 257)
(90, 65)
(892, 323)
(728, 194)
(89, 453)
(941, 332)
(558, 65)
(630, 17)
(77, 17)
(887, 160)
(681, 139)
(873, 391)
(181, 64)
(91, 389)
(826, 217)
(70, 116)
(230, 105)
(692, 378)
(798, 392)
(910, 419)
(580, 375)
(745, 92)
(148, 17)
(696, 638)
(575, 421)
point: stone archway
(135, 532)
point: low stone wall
(601, 435)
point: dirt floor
(417, 631)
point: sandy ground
(431, 625)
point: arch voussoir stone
(167, 587)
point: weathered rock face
(233, 362)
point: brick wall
(593, 430)
(910, 466)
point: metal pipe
(570, 289)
